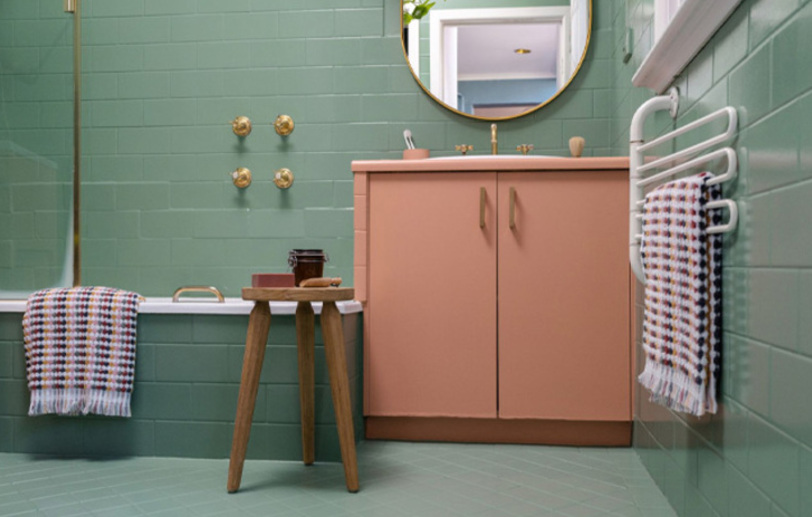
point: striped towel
(80, 350)
(682, 322)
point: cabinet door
(432, 295)
(564, 296)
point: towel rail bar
(674, 163)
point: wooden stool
(258, 325)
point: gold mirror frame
(509, 117)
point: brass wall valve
(283, 125)
(241, 126)
(283, 178)
(241, 177)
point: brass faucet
(494, 142)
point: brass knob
(241, 177)
(283, 178)
(241, 126)
(524, 148)
(463, 148)
(283, 125)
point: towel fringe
(74, 402)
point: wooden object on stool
(255, 342)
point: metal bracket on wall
(70, 6)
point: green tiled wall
(754, 458)
(185, 397)
(36, 117)
(162, 79)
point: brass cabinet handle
(482, 207)
(512, 215)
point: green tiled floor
(397, 479)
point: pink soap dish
(272, 280)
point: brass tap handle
(283, 125)
(283, 178)
(198, 289)
(525, 148)
(463, 148)
(241, 126)
(241, 177)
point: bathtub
(188, 366)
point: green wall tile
(118, 437)
(791, 238)
(115, 58)
(157, 329)
(193, 440)
(790, 406)
(744, 499)
(6, 434)
(116, 8)
(208, 83)
(198, 28)
(177, 56)
(773, 307)
(169, 6)
(117, 113)
(36, 435)
(166, 224)
(358, 22)
(792, 72)
(162, 401)
(310, 24)
(14, 397)
(805, 308)
(765, 16)
(192, 363)
(806, 474)
(215, 6)
(772, 156)
(169, 112)
(143, 30)
(223, 55)
(252, 25)
(750, 86)
(218, 402)
(773, 464)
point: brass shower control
(283, 125)
(241, 126)
(241, 177)
(283, 178)
(463, 148)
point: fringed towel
(682, 323)
(80, 350)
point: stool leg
(305, 344)
(258, 324)
(339, 386)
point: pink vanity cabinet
(497, 303)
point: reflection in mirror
(497, 59)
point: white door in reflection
(499, 62)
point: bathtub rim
(235, 306)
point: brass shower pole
(73, 6)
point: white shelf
(692, 26)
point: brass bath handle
(512, 214)
(198, 289)
(482, 207)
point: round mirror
(495, 59)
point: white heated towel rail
(645, 172)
